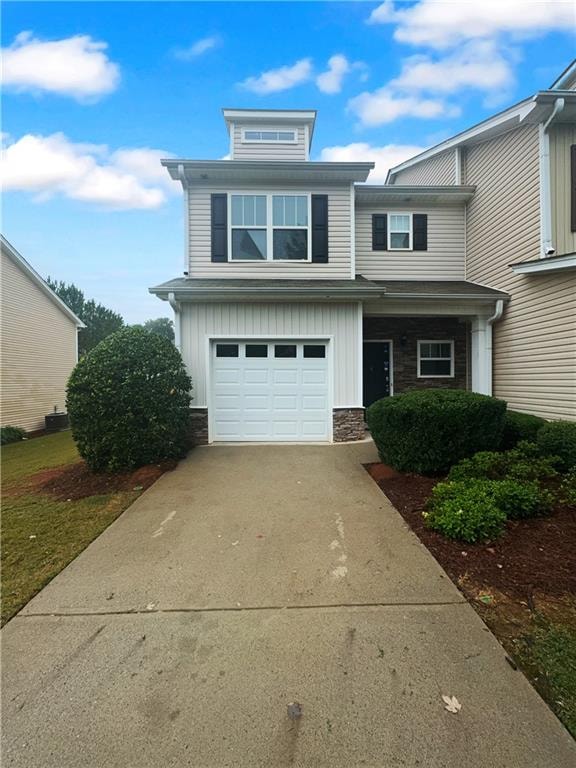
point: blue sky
(95, 93)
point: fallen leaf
(452, 704)
(486, 599)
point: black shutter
(573, 188)
(320, 229)
(419, 232)
(379, 232)
(219, 224)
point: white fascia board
(552, 264)
(27, 268)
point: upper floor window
(269, 136)
(400, 232)
(269, 227)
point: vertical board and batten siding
(267, 321)
(339, 236)
(562, 137)
(272, 151)
(38, 351)
(444, 259)
(440, 169)
(535, 342)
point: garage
(270, 390)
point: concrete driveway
(247, 579)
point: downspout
(182, 177)
(489, 344)
(547, 248)
(177, 316)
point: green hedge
(558, 438)
(128, 402)
(518, 427)
(10, 434)
(427, 431)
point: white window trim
(294, 131)
(410, 232)
(436, 341)
(270, 227)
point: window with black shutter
(379, 232)
(219, 227)
(320, 229)
(420, 232)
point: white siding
(272, 151)
(339, 237)
(444, 259)
(561, 139)
(535, 343)
(267, 321)
(440, 169)
(38, 351)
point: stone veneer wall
(405, 353)
(199, 426)
(347, 424)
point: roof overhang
(545, 266)
(369, 194)
(29, 270)
(205, 171)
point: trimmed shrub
(520, 426)
(465, 511)
(429, 430)
(519, 500)
(558, 438)
(486, 465)
(568, 488)
(523, 463)
(128, 401)
(9, 434)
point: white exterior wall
(444, 259)
(339, 236)
(272, 151)
(440, 169)
(340, 321)
(562, 137)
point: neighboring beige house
(521, 238)
(39, 344)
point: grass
(40, 535)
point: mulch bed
(532, 555)
(77, 481)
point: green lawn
(40, 535)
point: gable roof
(28, 270)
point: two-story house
(308, 294)
(521, 237)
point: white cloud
(478, 65)
(331, 80)
(198, 48)
(445, 24)
(281, 79)
(385, 157)
(75, 66)
(385, 105)
(53, 165)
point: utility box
(56, 422)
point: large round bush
(427, 431)
(520, 426)
(128, 401)
(558, 438)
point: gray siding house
(308, 294)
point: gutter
(547, 247)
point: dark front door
(376, 371)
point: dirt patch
(77, 481)
(532, 555)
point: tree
(100, 322)
(162, 326)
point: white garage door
(269, 390)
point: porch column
(481, 355)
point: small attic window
(276, 137)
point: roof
(360, 288)
(191, 171)
(563, 261)
(566, 78)
(27, 268)
(413, 194)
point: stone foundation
(199, 426)
(347, 424)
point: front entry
(376, 371)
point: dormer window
(250, 136)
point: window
(435, 359)
(269, 227)
(314, 350)
(400, 232)
(285, 350)
(256, 350)
(269, 136)
(226, 350)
